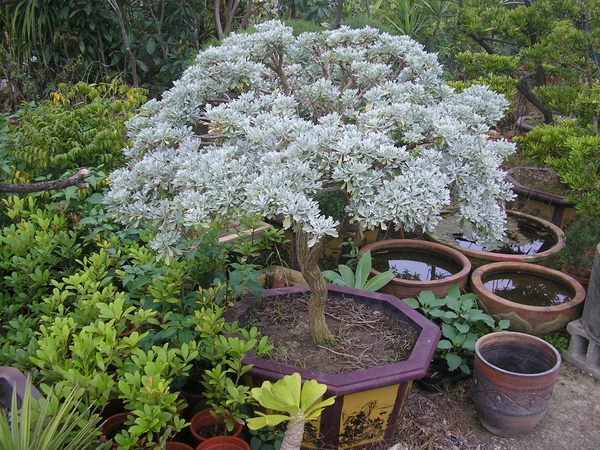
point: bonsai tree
(535, 42)
(267, 122)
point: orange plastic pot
(224, 443)
(205, 420)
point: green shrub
(80, 125)
(302, 26)
(573, 153)
(560, 98)
(581, 239)
(462, 323)
(365, 21)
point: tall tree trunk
(121, 20)
(217, 6)
(308, 259)
(339, 9)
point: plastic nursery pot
(402, 288)
(545, 255)
(223, 443)
(204, 421)
(513, 379)
(525, 317)
(178, 446)
(113, 425)
(368, 401)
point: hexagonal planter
(369, 401)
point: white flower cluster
(265, 121)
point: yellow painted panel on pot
(311, 433)
(365, 416)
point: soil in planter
(523, 237)
(528, 289)
(541, 180)
(409, 264)
(364, 335)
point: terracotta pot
(479, 258)
(178, 446)
(204, 419)
(223, 443)
(545, 205)
(369, 401)
(513, 379)
(527, 318)
(113, 425)
(409, 288)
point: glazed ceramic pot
(368, 401)
(434, 252)
(513, 379)
(545, 255)
(528, 318)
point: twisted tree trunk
(308, 259)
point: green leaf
(453, 360)
(449, 331)
(453, 292)
(426, 297)
(150, 45)
(271, 420)
(503, 324)
(347, 275)
(453, 304)
(444, 344)
(462, 327)
(469, 342)
(141, 65)
(362, 270)
(412, 302)
(334, 278)
(379, 281)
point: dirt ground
(447, 420)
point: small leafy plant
(461, 321)
(294, 402)
(224, 345)
(359, 279)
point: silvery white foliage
(264, 122)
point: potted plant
(246, 130)
(580, 243)
(34, 423)
(224, 346)
(462, 323)
(292, 402)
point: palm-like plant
(34, 425)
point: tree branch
(74, 180)
(524, 87)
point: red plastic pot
(223, 443)
(178, 446)
(204, 419)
